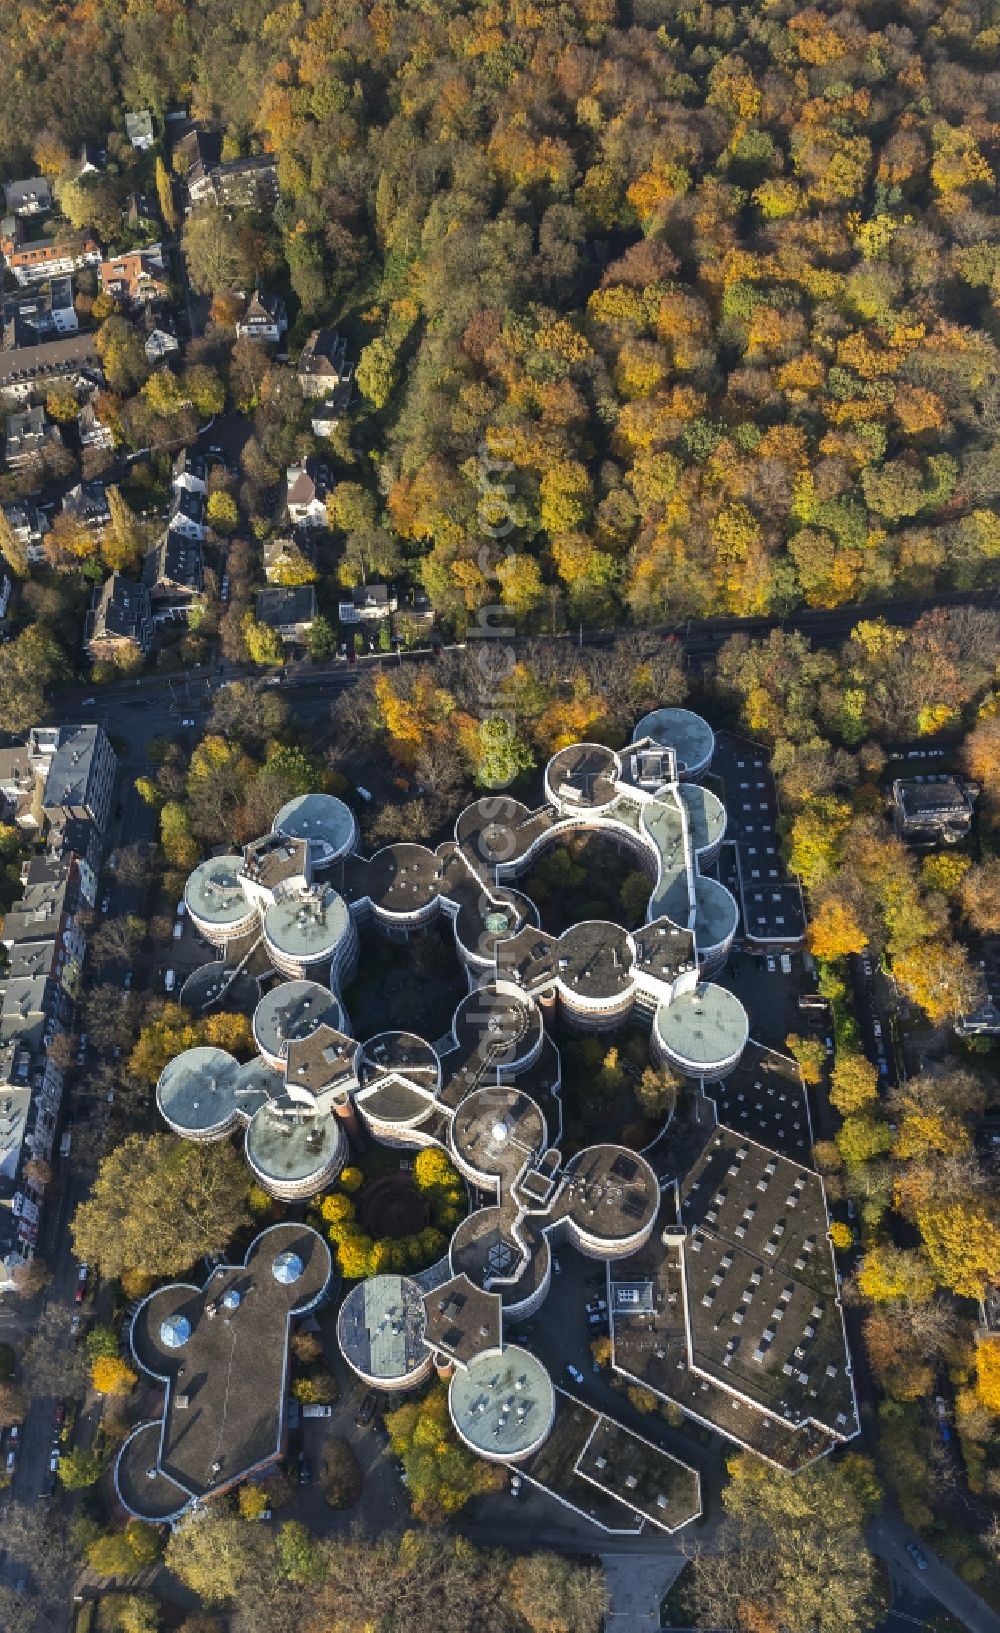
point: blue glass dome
(287, 1268)
(175, 1331)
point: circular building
(691, 738)
(325, 821)
(491, 831)
(716, 918)
(141, 1487)
(293, 1011)
(294, 1150)
(582, 778)
(309, 932)
(196, 1094)
(380, 1330)
(706, 816)
(498, 1027)
(496, 1131)
(214, 898)
(502, 1404)
(702, 1031)
(218, 985)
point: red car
(82, 1276)
(60, 1415)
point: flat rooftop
(289, 1144)
(691, 737)
(503, 1403)
(318, 816)
(214, 894)
(307, 927)
(594, 958)
(762, 1294)
(610, 1192)
(380, 1327)
(197, 1090)
(227, 1378)
(292, 1010)
(462, 1319)
(703, 1026)
(766, 1098)
(656, 1485)
(485, 1248)
(275, 860)
(402, 1053)
(498, 1130)
(584, 774)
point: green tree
(221, 511)
(441, 1473)
(216, 252)
(503, 755)
(321, 640)
(264, 644)
(212, 1553)
(79, 1467)
(376, 371)
(165, 195)
(159, 1203)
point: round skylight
(175, 1331)
(287, 1268)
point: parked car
(60, 1415)
(557, 1267)
(786, 964)
(771, 965)
(74, 1327)
(596, 1305)
(515, 1485)
(106, 903)
(169, 981)
(178, 930)
(305, 1471)
(54, 1458)
(917, 1555)
(14, 1434)
(127, 982)
(313, 1410)
(82, 1278)
(11, 1461)
(366, 1410)
(575, 1373)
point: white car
(169, 981)
(187, 722)
(575, 1373)
(771, 965)
(106, 903)
(786, 964)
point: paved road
(888, 1535)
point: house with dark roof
(323, 363)
(93, 432)
(29, 197)
(234, 184)
(264, 318)
(174, 574)
(290, 611)
(88, 502)
(368, 602)
(282, 553)
(34, 363)
(29, 524)
(187, 513)
(307, 487)
(120, 620)
(190, 472)
(28, 436)
(932, 811)
(159, 332)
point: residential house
(187, 514)
(37, 364)
(20, 797)
(282, 552)
(289, 611)
(93, 432)
(323, 363)
(49, 310)
(120, 620)
(159, 332)
(78, 766)
(12, 234)
(29, 525)
(141, 213)
(236, 184)
(139, 129)
(174, 575)
(265, 318)
(91, 160)
(88, 502)
(306, 492)
(34, 260)
(136, 278)
(933, 812)
(196, 147)
(29, 197)
(62, 307)
(368, 603)
(28, 436)
(191, 472)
